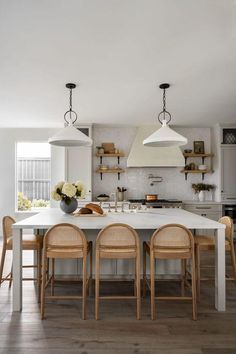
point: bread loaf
(94, 208)
(85, 211)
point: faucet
(109, 206)
(123, 204)
(115, 199)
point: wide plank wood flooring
(118, 332)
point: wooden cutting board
(89, 215)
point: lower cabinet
(210, 211)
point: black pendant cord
(70, 112)
(164, 112)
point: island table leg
(17, 269)
(220, 270)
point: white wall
(136, 179)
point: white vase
(201, 196)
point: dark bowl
(188, 151)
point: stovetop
(159, 201)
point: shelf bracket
(101, 176)
(100, 160)
(186, 176)
(118, 159)
(118, 175)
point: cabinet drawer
(203, 208)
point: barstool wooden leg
(152, 276)
(233, 260)
(138, 289)
(183, 269)
(84, 287)
(91, 270)
(194, 300)
(44, 270)
(52, 277)
(97, 275)
(198, 275)
(11, 277)
(144, 269)
(135, 277)
(2, 263)
(39, 258)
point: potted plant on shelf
(200, 188)
(68, 193)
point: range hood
(145, 156)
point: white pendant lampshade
(70, 135)
(165, 136)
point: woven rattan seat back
(65, 236)
(118, 236)
(7, 223)
(172, 236)
(229, 231)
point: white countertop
(205, 202)
(223, 202)
(147, 219)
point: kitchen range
(158, 203)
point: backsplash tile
(136, 179)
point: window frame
(34, 209)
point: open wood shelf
(120, 154)
(110, 170)
(196, 171)
(192, 154)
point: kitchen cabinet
(210, 211)
(79, 167)
(228, 172)
(79, 163)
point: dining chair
(207, 243)
(171, 241)
(30, 242)
(65, 241)
(118, 241)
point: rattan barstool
(30, 242)
(118, 241)
(207, 243)
(65, 241)
(172, 241)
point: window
(33, 175)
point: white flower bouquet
(65, 191)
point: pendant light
(165, 136)
(70, 135)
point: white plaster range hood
(146, 156)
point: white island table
(144, 220)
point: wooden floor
(118, 331)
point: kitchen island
(144, 221)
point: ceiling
(118, 52)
